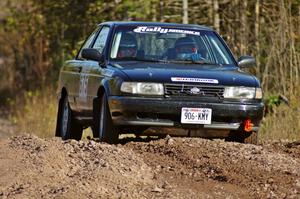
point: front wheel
(252, 138)
(103, 124)
(68, 127)
(243, 137)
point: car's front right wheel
(243, 137)
(252, 138)
(103, 124)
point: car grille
(194, 90)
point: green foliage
(272, 100)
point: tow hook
(248, 125)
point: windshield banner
(145, 29)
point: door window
(87, 43)
(101, 39)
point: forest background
(37, 36)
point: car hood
(187, 73)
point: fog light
(248, 125)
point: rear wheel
(103, 124)
(243, 137)
(68, 126)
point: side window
(101, 39)
(87, 43)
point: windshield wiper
(202, 62)
(190, 62)
(147, 60)
(138, 59)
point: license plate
(196, 115)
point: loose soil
(31, 167)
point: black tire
(103, 124)
(243, 137)
(252, 138)
(68, 127)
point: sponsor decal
(198, 80)
(157, 29)
(84, 78)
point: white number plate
(196, 115)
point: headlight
(243, 93)
(144, 88)
(258, 93)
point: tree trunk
(185, 18)
(257, 44)
(244, 36)
(210, 11)
(216, 15)
(161, 11)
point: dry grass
(35, 112)
(283, 123)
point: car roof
(141, 23)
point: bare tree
(185, 18)
(256, 27)
(216, 15)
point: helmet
(128, 46)
(185, 47)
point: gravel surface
(31, 167)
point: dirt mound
(31, 167)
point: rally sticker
(145, 29)
(198, 80)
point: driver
(128, 46)
(186, 49)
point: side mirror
(246, 61)
(92, 54)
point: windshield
(166, 44)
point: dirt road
(31, 167)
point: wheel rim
(102, 116)
(65, 118)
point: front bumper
(166, 112)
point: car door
(91, 74)
(71, 73)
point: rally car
(131, 76)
